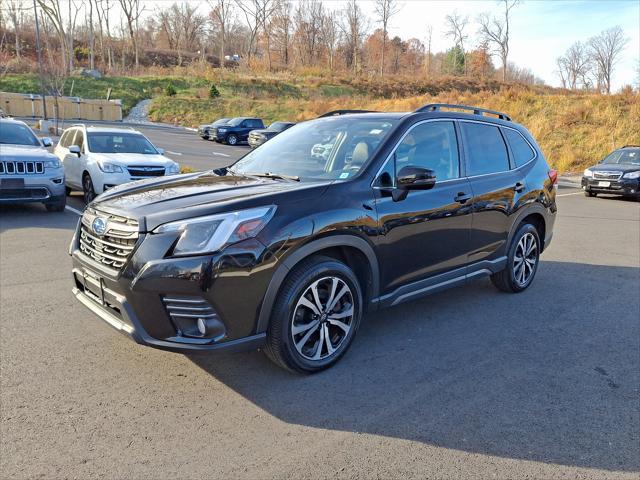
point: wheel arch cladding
(534, 215)
(354, 251)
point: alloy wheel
(89, 193)
(525, 259)
(322, 318)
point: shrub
(170, 90)
(213, 91)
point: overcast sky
(541, 30)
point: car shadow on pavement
(548, 375)
(34, 215)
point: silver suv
(28, 173)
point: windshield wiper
(276, 176)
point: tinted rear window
(485, 149)
(522, 152)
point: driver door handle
(462, 197)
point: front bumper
(622, 186)
(133, 299)
(32, 188)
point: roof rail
(433, 107)
(630, 146)
(336, 113)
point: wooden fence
(66, 108)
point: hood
(164, 199)
(266, 132)
(24, 153)
(130, 159)
(615, 167)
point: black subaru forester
(287, 248)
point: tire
(296, 348)
(57, 206)
(588, 193)
(87, 188)
(67, 191)
(232, 139)
(511, 279)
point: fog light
(202, 328)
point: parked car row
(233, 131)
(87, 158)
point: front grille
(112, 248)
(146, 171)
(607, 175)
(39, 193)
(21, 168)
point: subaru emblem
(99, 225)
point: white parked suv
(97, 158)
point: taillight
(553, 176)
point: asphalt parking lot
(466, 383)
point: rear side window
(67, 136)
(522, 152)
(485, 149)
(79, 139)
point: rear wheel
(315, 317)
(522, 261)
(232, 139)
(87, 188)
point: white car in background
(98, 158)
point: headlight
(53, 163)
(107, 167)
(635, 174)
(210, 234)
(175, 168)
(222, 130)
(588, 173)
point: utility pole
(44, 101)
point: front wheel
(589, 193)
(87, 189)
(232, 139)
(315, 317)
(522, 261)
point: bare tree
(573, 67)
(64, 29)
(103, 9)
(385, 9)
(457, 24)
(256, 13)
(308, 27)
(16, 13)
(427, 64)
(132, 10)
(495, 31)
(183, 26)
(330, 36)
(282, 26)
(354, 28)
(605, 50)
(223, 16)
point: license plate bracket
(11, 183)
(94, 284)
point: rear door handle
(519, 187)
(462, 197)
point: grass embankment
(128, 89)
(574, 129)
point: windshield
(628, 156)
(279, 126)
(120, 143)
(334, 148)
(17, 134)
(234, 122)
(222, 121)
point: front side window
(333, 148)
(17, 134)
(66, 138)
(431, 145)
(520, 148)
(485, 147)
(107, 142)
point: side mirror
(160, 151)
(46, 142)
(74, 149)
(413, 178)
